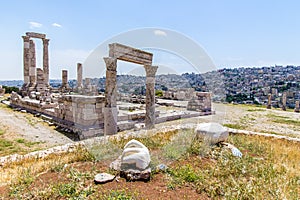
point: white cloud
(35, 25)
(160, 33)
(56, 25)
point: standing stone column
(46, 61)
(79, 75)
(269, 101)
(297, 106)
(284, 101)
(32, 66)
(110, 109)
(150, 96)
(64, 77)
(26, 61)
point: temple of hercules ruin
(85, 112)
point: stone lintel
(36, 35)
(130, 54)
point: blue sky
(233, 33)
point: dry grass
(11, 173)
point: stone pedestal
(110, 116)
(296, 106)
(269, 101)
(150, 96)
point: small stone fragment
(104, 178)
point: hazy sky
(233, 33)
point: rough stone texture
(130, 54)
(79, 76)
(150, 96)
(26, 41)
(32, 66)
(296, 106)
(178, 94)
(212, 132)
(269, 101)
(201, 102)
(29, 62)
(2, 91)
(36, 35)
(64, 85)
(110, 117)
(135, 161)
(104, 178)
(284, 101)
(40, 82)
(46, 61)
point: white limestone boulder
(135, 162)
(212, 132)
(135, 156)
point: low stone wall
(201, 102)
(81, 114)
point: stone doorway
(125, 53)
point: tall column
(26, 59)
(46, 61)
(32, 66)
(110, 109)
(79, 75)
(64, 78)
(269, 101)
(296, 106)
(284, 101)
(150, 96)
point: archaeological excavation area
(84, 111)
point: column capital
(111, 63)
(150, 70)
(45, 41)
(26, 38)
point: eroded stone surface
(212, 132)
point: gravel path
(24, 125)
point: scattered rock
(104, 178)
(235, 151)
(161, 168)
(212, 132)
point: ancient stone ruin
(35, 78)
(125, 53)
(82, 110)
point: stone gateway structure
(129, 54)
(29, 64)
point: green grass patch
(235, 126)
(287, 121)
